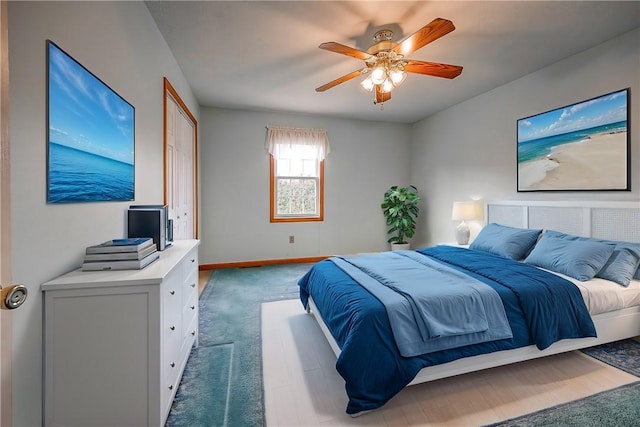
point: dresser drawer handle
(193, 333)
(173, 328)
(172, 364)
(193, 307)
(172, 292)
(171, 387)
(193, 285)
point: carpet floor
(613, 408)
(223, 383)
(617, 407)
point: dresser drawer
(171, 373)
(190, 335)
(170, 381)
(190, 292)
(189, 310)
(190, 268)
(190, 285)
(172, 324)
(172, 291)
(171, 343)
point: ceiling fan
(386, 64)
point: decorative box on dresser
(116, 342)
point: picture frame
(579, 147)
(90, 135)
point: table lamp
(464, 211)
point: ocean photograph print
(579, 147)
(90, 146)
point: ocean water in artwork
(79, 176)
(541, 147)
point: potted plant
(400, 207)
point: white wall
(469, 150)
(120, 43)
(366, 159)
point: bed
(369, 358)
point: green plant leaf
(400, 207)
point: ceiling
(264, 55)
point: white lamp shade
(466, 211)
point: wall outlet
(292, 239)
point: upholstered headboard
(599, 219)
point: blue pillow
(623, 264)
(508, 242)
(579, 259)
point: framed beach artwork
(91, 135)
(580, 147)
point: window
(297, 173)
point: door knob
(13, 296)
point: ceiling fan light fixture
(397, 76)
(387, 86)
(367, 84)
(378, 75)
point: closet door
(185, 178)
(180, 165)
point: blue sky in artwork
(85, 114)
(606, 109)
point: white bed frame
(604, 220)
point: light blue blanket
(431, 306)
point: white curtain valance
(285, 140)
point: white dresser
(116, 342)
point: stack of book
(121, 254)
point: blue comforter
(430, 305)
(541, 308)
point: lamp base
(462, 233)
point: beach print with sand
(578, 147)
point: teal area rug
(617, 407)
(222, 383)
(613, 408)
(204, 403)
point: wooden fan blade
(425, 35)
(381, 96)
(433, 69)
(339, 80)
(344, 50)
